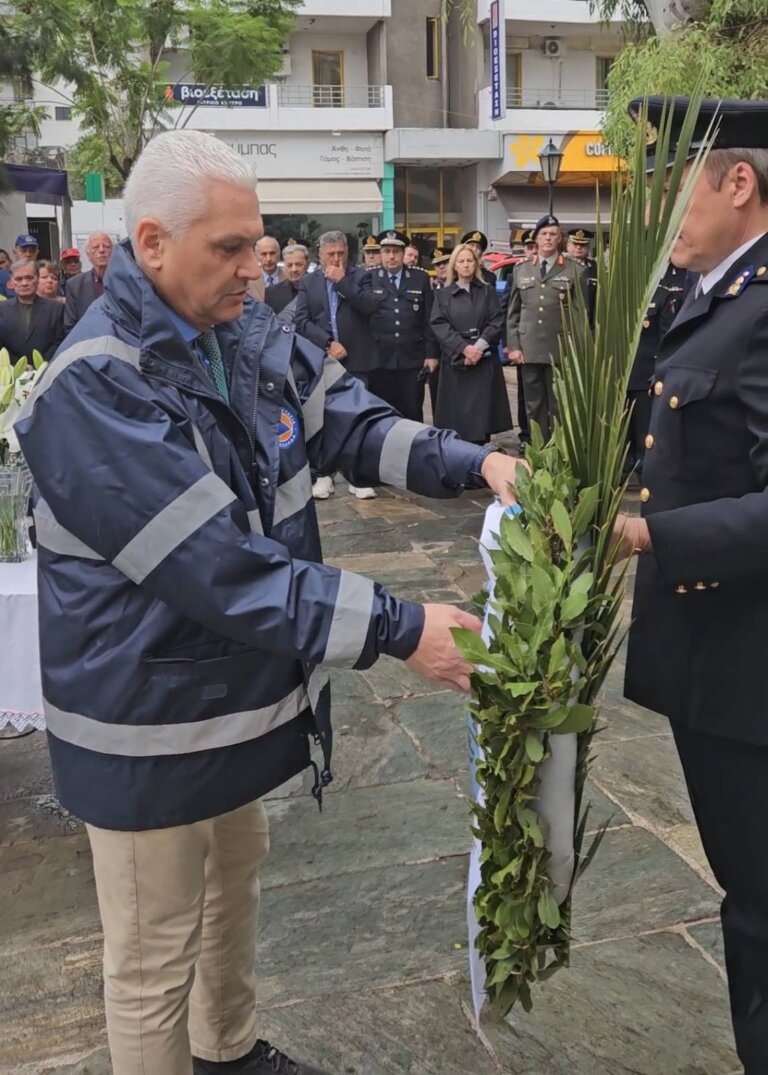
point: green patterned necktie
(212, 352)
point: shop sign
(309, 154)
(190, 93)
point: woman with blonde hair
(468, 322)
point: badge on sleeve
(287, 429)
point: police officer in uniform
(577, 247)
(440, 259)
(479, 244)
(539, 295)
(371, 253)
(667, 300)
(700, 619)
(400, 329)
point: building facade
(382, 117)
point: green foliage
(554, 617)
(90, 154)
(17, 120)
(114, 54)
(725, 52)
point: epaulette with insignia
(761, 276)
(737, 285)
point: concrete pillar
(388, 197)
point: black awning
(42, 186)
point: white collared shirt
(714, 276)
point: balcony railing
(529, 97)
(289, 96)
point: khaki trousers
(179, 910)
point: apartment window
(62, 112)
(327, 78)
(433, 48)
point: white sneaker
(323, 488)
(362, 492)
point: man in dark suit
(87, 286)
(700, 617)
(27, 322)
(282, 297)
(268, 253)
(332, 308)
(404, 343)
(667, 300)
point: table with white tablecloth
(21, 696)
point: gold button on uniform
(700, 586)
(645, 495)
(649, 441)
(681, 589)
(658, 388)
(713, 585)
(674, 403)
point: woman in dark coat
(468, 322)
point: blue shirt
(398, 276)
(189, 334)
(333, 305)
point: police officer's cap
(371, 245)
(440, 256)
(528, 236)
(581, 236)
(393, 238)
(477, 237)
(739, 124)
(547, 221)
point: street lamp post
(550, 160)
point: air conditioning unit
(552, 47)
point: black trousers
(401, 390)
(728, 785)
(522, 414)
(639, 423)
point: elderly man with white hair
(187, 622)
(88, 286)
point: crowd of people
(42, 300)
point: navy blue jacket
(355, 306)
(700, 617)
(400, 324)
(186, 619)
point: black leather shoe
(263, 1059)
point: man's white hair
(169, 179)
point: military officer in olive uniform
(400, 329)
(697, 642)
(539, 295)
(667, 300)
(577, 247)
(479, 244)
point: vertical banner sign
(498, 60)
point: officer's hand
(516, 357)
(431, 364)
(500, 471)
(630, 535)
(436, 656)
(337, 350)
(334, 273)
(472, 354)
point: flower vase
(15, 487)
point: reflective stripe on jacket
(186, 620)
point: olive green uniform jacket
(536, 307)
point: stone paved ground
(363, 953)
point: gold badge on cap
(476, 237)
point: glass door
(327, 78)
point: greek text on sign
(285, 155)
(190, 93)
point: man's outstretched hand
(500, 471)
(436, 656)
